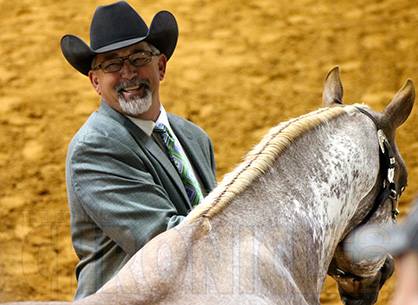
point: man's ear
(94, 80)
(162, 64)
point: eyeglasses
(138, 59)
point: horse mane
(261, 158)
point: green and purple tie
(181, 163)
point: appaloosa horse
(272, 229)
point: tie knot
(161, 128)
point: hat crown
(114, 23)
(117, 26)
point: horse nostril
(349, 301)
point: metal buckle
(381, 138)
(393, 194)
(394, 198)
(395, 213)
(340, 272)
(391, 175)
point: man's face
(132, 90)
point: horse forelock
(261, 158)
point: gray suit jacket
(123, 190)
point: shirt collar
(147, 126)
(162, 118)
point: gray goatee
(135, 105)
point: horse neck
(305, 203)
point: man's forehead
(141, 46)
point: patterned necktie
(181, 163)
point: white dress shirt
(147, 126)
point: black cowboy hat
(117, 26)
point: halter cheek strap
(387, 166)
(387, 192)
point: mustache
(132, 83)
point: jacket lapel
(148, 144)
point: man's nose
(128, 70)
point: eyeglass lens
(137, 60)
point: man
(133, 171)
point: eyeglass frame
(124, 58)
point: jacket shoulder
(100, 130)
(187, 125)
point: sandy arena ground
(240, 67)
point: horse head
(359, 282)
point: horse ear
(400, 107)
(333, 88)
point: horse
(274, 227)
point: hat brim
(163, 34)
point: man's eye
(111, 66)
(138, 60)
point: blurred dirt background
(240, 67)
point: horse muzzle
(356, 290)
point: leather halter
(388, 191)
(387, 168)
